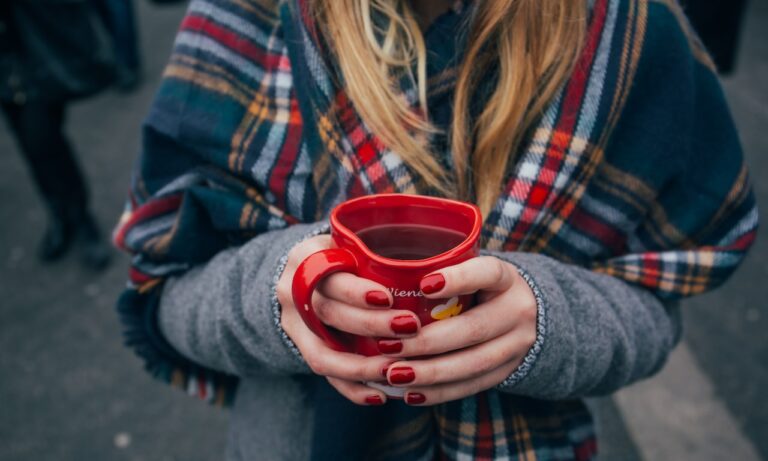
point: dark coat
(52, 50)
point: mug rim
(458, 250)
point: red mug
(395, 240)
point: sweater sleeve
(225, 314)
(673, 186)
(207, 214)
(596, 333)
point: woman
(592, 134)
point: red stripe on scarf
(569, 114)
(744, 242)
(587, 450)
(154, 208)
(231, 40)
(652, 273)
(137, 277)
(595, 228)
(286, 158)
(484, 435)
(202, 390)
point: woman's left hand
(473, 351)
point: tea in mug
(409, 241)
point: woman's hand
(479, 348)
(347, 303)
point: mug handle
(309, 273)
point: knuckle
(436, 396)
(413, 346)
(497, 271)
(370, 325)
(477, 387)
(457, 277)
(335, 287)
(476, 331)
(318, 365)
(346, 292)
(496, 360)
(529, 338)
(360, 370)
(313, 362)
(286, 325)
(484, 364)
(283, 291)
(427, 375)
(320, 241)
(303, 250)
(294, 253)
(324, 310)
(530, 311)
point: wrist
(277, 308)
(531, 356)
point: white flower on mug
(451, 308)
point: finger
(481, 273)
(298, 253)
(355, 291)
(463, 365)
(358, 393)
(325, 361)
(303, 249)
(365, 322)
(433, 395)
(475, 326)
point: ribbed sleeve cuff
(542, 314)
(541, 333)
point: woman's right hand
(347, 303)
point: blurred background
(71, 391)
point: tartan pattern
(250, 133)
(531, 429)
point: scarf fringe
(140, 332)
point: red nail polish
(432, 283)
(404, 325)
(384, 371)
(374, 400)
(414, 398)
(377, 298)
(401, 375)
(390, 346)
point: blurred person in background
(718, 23)
(119, 17)
(52, 53)
(593, 135)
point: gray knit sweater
(596, 334)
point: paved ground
(70, 391)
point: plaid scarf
(633, 170)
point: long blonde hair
(534, 44)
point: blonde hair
(534, 44)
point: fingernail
(414, 398)
(384, 371)
(374, 400)
(401, 375)
(390, 346)
(404, 325)
(377, 298)
(432, 283)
